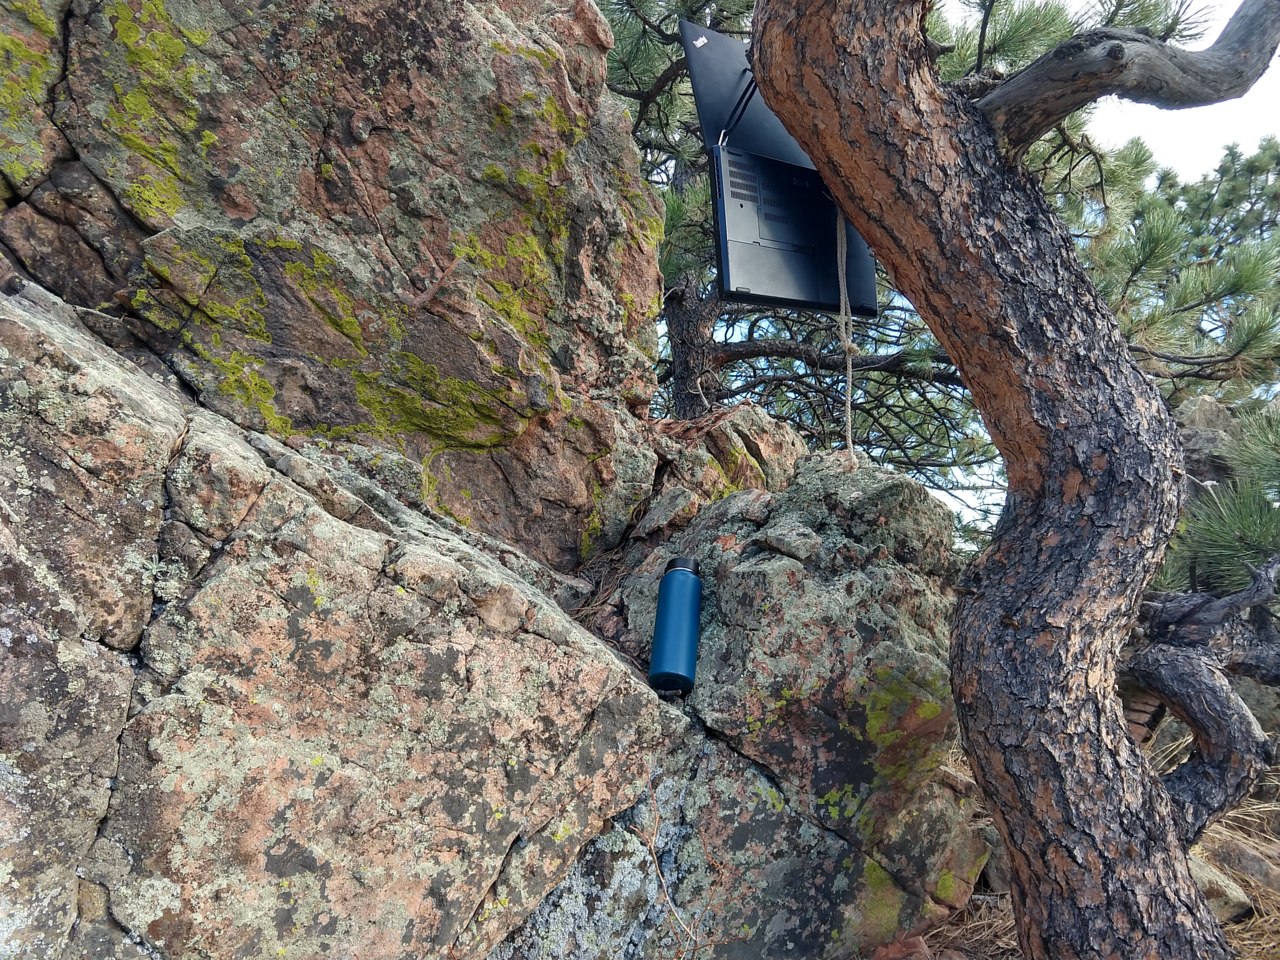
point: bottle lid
(683, 563)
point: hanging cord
(844, 324)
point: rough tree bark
(694, 384)
(931, 181)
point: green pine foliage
(1179, 22)
(1225, 530)
(1016, 34)
(1255, 450)
(1192, 271)
(686, 242)
(1232, 526)
(646, 68)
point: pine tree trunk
(1099, 869)
(689, 324)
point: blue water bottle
(675, 632)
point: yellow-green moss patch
(413, 397)
(35, 14)
(880, 904)
(327, 296)
(27, 74)
(594, 525)
(241, 380)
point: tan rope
(844, 323)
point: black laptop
(775, 219)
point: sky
(1190, 141)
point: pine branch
(660, 84)
(1195, 639)
(987, 9)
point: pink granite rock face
(335, 725)
(255, 703)
(416, 227)
(289, 503)
(811, 817)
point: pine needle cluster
(1233, 526)
(1192, 270)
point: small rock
(792, 539)
(1228, 902)
(1204, 412)
(1243, 858)
(997, 872)
(673, 505)
(503, 610)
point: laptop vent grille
(749, 197)
(775, 218)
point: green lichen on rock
(593, 526)
(413, 397)
(198, 119)
(29, 65)
(503, 116)
(737, 470)
(215, 276)
(648, 228)
(135, 120)
(503, 300)
(331, 301)
(155, 107)
(431, 493)
(524, 260)
(642, 320)
(899, 709)
(880, 905)
(153, 198)
(235, 271)
(26, 83)
(547, 58)
(573, 128)
(527, 252)
(35, 14)
(242, 381)
(945, 885)
(843, 802)
(547, 203)
(156, 46)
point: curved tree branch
(1196, 639)
(811, 354)
(1134, 66)
(1260, 660)
(645, 98)
(1231, 751)
(1198, 619)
